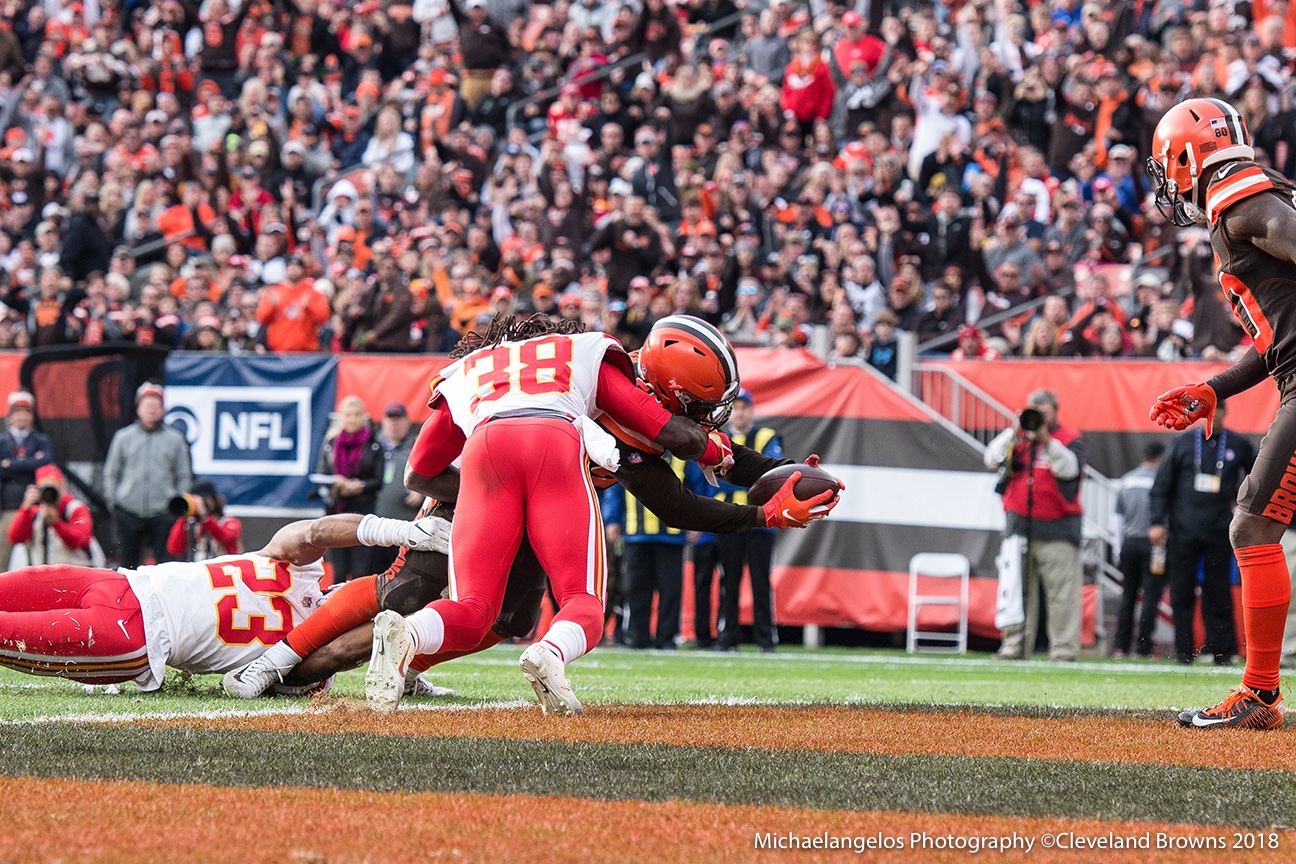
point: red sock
(1266, 591)
(345, 609)
(424, 662)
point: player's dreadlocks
(505, 327)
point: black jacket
(86, 248)
(18, 465)
(370, 473)
(1175, 502)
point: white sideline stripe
(920, 497)
(212, 714)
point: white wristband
(377, 531)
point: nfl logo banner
(254, 425)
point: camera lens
(49, 495)
(1030, 419)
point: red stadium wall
(1111, 396)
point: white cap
(23, 398)
(620, 186)
(1183, 328)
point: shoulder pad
(1235, 182)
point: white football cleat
(548, 678)
(252, 679)
(417, 685)
(393, 649)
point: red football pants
(523, 474)
(74, 622)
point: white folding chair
(938, 565)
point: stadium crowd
(307, 175)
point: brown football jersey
(1260, 287)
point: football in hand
(814, 481)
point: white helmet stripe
(708, 334)
(1234, 120)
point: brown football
(814, 481)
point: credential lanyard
(1220, 450)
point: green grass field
(793, 676)
(738, 743)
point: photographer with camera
(55, 527)
(1040, 462)
(23, 450)
(201, 529)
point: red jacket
(75, 526)
(227, 532)
(808, 91)
(1049, 502)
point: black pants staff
(1135, 556)
(756, 551)
(705, 558)
(1183, 553)
(133, 531)
(653, 568)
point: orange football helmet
(1192, 137)
(690, 368)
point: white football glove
(429, 534)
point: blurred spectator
(53, 526)
(293, 312)
(147, 466)
(1191, 506)
(752, 551)
(652, 565)
(1140, 570)
(394, 501)
(23, 450)
(202, 530)
(1042, 470)
(883, 351)
(352, 458)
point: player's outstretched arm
(305, 541)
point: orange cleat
(1243, 709)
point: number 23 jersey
(1260, 288)
(215, 615)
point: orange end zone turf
(143, 822)
(829, 729)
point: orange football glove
(786, 510)
(717, 458)
(1183, 406)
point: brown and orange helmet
(690, 367)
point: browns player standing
(1203, 171)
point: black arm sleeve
(1242, 375)
(749, 466)
(658, 488)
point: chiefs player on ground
(101, 626)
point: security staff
(754, 549)
(653, 563)
(1192, 505)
